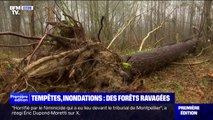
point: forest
(107, 46)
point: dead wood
(62, 39)
(58, 24)
(190, 63)
(55, 57)
(57, 38)
(148, 34)
(36, 48)
(19, 35)
(22, 45)
(143, 63)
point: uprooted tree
(75, 63)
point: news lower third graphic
(104, 106)
(90, 98)
(89, 106)
(15, 10)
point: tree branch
(22, 45)
(59, 38)
(37, 47)
(120, 31)
(148, 34)
(35, 38)
(19, 35)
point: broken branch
(39, 44)
(191, 63)
(120, 31)
(19, 35)
(148, 34)
(22, 45)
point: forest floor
(190, 83)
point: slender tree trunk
(191, 17)
(15, 25)
(207, 19)
(32, 22)
(107, 26)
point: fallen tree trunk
(143, 63)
